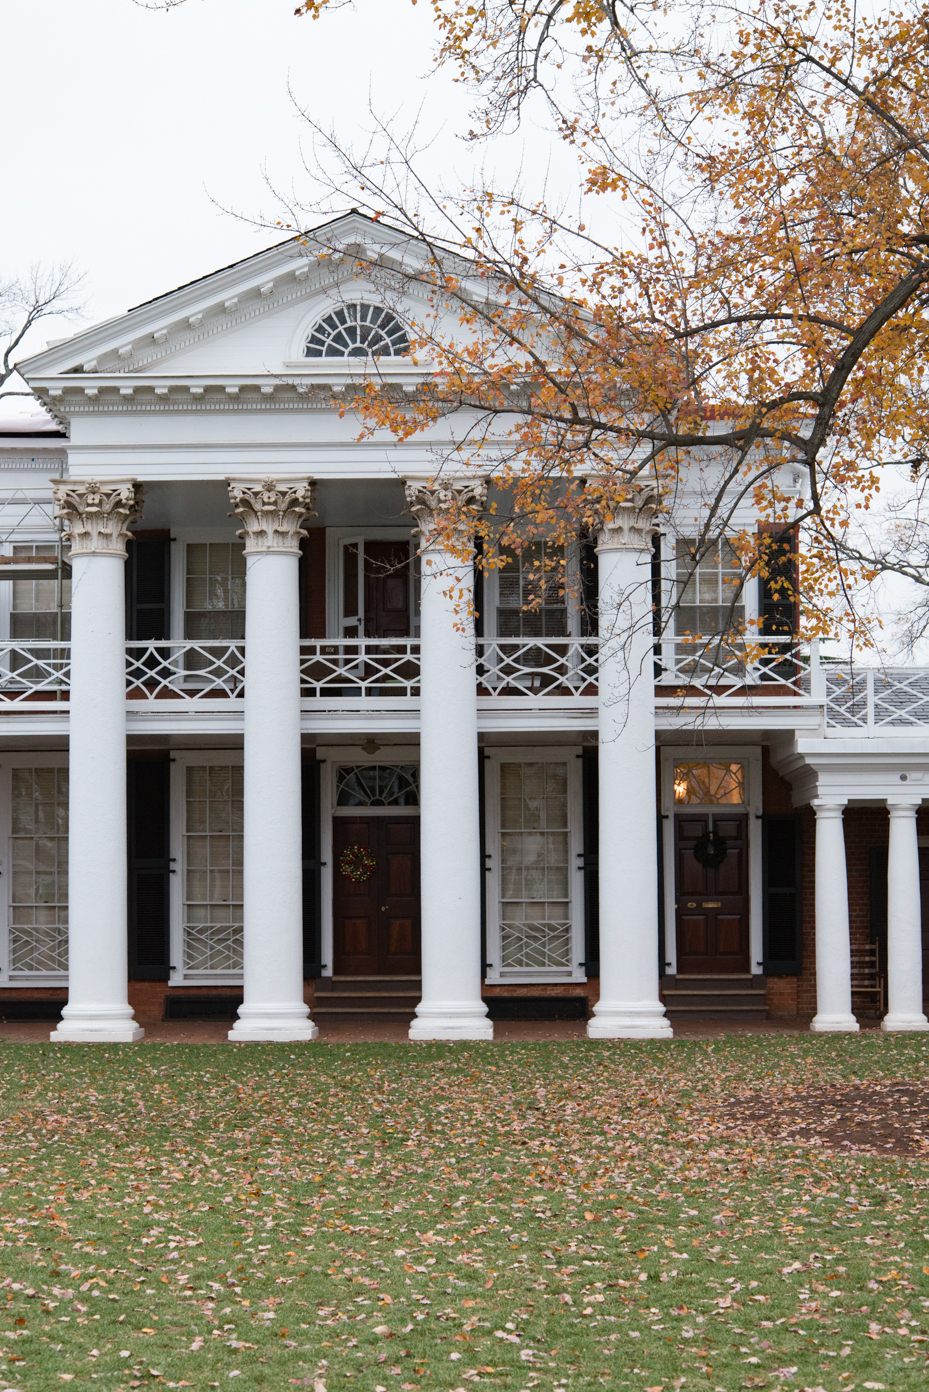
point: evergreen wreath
(710, 850)
(357, 863)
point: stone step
(369, 1000)
(369, 985)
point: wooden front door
(376, 920)
(712, 905)
(387, 589)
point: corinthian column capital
(446, 509)
(629, 524)
(96, 516)
(272, 511)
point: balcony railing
(690, 674)
(538, 668)
(365, 669)
(745, 669)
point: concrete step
(342, 1014)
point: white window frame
(336, 539)
(181, 538)
(572, 756)
(330, 757)
(750, 757)
(27, 536)
(669, 540)
(56, 759)
(181, 760)
(573, 598)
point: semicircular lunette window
(358, 331)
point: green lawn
(437, 1217)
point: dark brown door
(712, 905)
(376, 920)
(387, 589)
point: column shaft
(98, 1009)
(904, 922)
(451, 1006)
(833, 948)
(629, 1006)
(273, 1007)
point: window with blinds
(38, 932)
(34, 608)
(535, 894)
(531, 599)
(214, 598)
(709, 587)
(213, 869)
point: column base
(80, 1034)
(290, 1024)
(641, 1020)
(451, 1022)
(100, 1024)
(834, 1024)
(901, 1024)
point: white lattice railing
(34, 672)
(359, 669)
(873, 699)
(729, 668)
(190, 671)
(537, 667)
(721, 672)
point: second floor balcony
(694, 679)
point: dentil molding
(97, 516)
(272, 512)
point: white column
(629, 1007)
(96, 517)
(904, 922)
(833, 946)
(273, 1007)
(451, 1005)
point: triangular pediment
(252, 317)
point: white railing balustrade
(720, 672)
(733, 667)
(874, 699)
(34, 671)
(537, 667)
(359, 669)
(190, 671)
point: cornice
(66, 396)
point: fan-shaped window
(358, 331)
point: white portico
(306, 760)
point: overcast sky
(125, 126)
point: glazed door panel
(712, 904)
(376, 921)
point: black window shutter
(149, 868)
(590, 594)
(877, 898)
(782, 902)
(479, 626)
(591, 794)
(148, 588)
(312, 878)
(779, 607)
